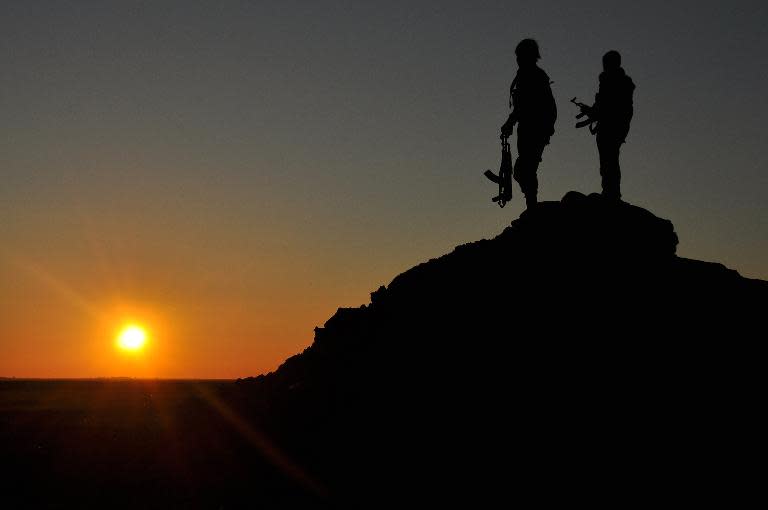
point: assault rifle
(504, 179)
(588, 112)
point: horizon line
(118, 378)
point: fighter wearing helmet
(534, 111)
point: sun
(132, 338)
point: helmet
(528, 49)
(612, 60)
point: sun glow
(132, 338)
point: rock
(573, 357)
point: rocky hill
(574, 357)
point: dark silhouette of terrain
(573, 358)
(138, 444)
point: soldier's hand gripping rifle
(504, 179)
(588, 112)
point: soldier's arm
(508, 126)
(600, 97)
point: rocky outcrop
(573, 357)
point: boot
(530, 201)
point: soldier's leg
(616, 184)
(529, 151)
(536, 152)
(525, 175)
(610, 172)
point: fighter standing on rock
(612, 112)
(535, 112)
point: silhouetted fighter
(534, 111)
(612, 112)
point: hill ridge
(578, 308)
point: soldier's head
(611, 60)
(527, 52)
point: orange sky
(197, 328)
(230, 173)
